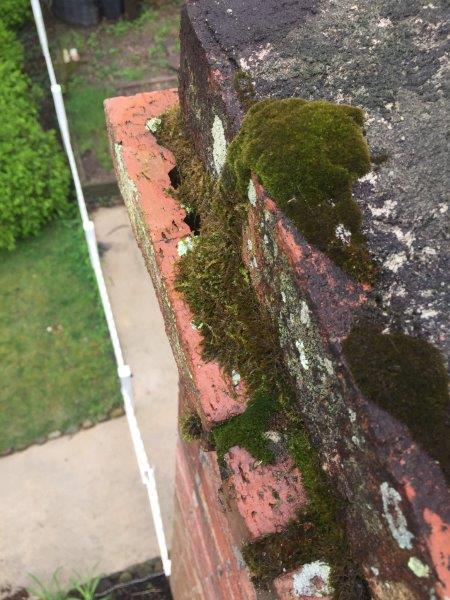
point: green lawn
(87, 121)
(56, 359)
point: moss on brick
(190, 426)
(245, 90)
(236, 330)
(407, 377)
(247, 430)
(239, 334)
(307, 155)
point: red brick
(147, 168)
(267, 496)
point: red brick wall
(212, 517)
(216, 512)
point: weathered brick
(267, 496)
(142, 168)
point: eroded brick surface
(267, 496)
(142, 168)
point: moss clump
(245, 90)
(247, 430)
(276, 553)
(195, 185)
(191, 428)
(407, 377)
(301, 542)
(307, 155)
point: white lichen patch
(395, 261)
(301, 350)
(312, 579)
(428, 313)
(328, 365)
(304, 314)
(352, 415)
(395, 518)
(235, 378)
(369, 177)
(343, 234)
(244, 64)
(219, 144)
(384, 23)
(418, 567)
(251, 193)
(272, 436)
(184, 245)
(428, 251)
(357, 441)
(250, 245)
(406, 238)
(385, 211)
(153, 124)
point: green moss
(195, 184)
(190, 426)
(244, 88)
(307, 155)
(237, 331)
(247, 430)
(407, 377)
(239, 334)
(302, 542)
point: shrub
(14, 13)
(11, 50)
(33, 174)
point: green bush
(14, 13)
(11, 50)
(34, 177)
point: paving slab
(78, 502)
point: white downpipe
(148, 479)
(123, 370)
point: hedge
(34, 178)
(14, 13)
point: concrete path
(78, 502)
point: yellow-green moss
(407, 377)
(190, 426)
(307, 155)
(236, 330)
(247, 430)
(245, 90)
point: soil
(140, 582)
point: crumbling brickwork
(397, 508)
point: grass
(111, 54)
(57, 362)
(87, 120)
